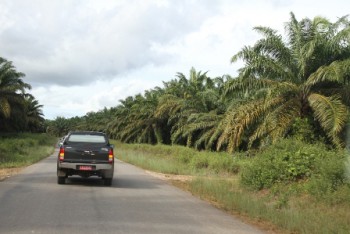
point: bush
(287, 161)
(329, 175)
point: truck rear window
(87, 138)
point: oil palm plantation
(185, 100)
(305, 75)
(135, 120)
(120, 120)
(202, 125)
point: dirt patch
(8, 172)
(170, 177)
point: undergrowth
(17, 150)
(179, 159)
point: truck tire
(107, 182)
(61, 180)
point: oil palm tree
(135, 119)
(185, 97)
(12, 98)
(306, 75)
(203, 124)
(12, 87)
(34, 115)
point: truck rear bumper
(101, 170)
(74, 166)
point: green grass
(178, 159)
(292, 186)
(154, 164)
(294, 214)
(18, 150)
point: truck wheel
(107, 182)
(61, 180)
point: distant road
(33, 202)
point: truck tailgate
(86, 153)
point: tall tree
(135, 119)
(185, 99)
(305, 75)
(12, 93)
(34, 115)
(12, 87)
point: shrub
(329, 175)
(287, 161)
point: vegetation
(303, 76)
(19, 111)
(298, 85)
(280, 129)
(179, 160)
(18, 150)
(291, 186)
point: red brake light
(110, 156)
(61, 154)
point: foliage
(329, 180)
(19, 111)
(302, 215)
(297, 85)
(17, 150)
(305, 130)
(301, 203)
(179, 159)
(301, 76)
(291, 160)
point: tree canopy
(19, 111)
(297, 84)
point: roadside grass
(157, 164)
(292, 187)
(299, 214)
(178, 160)
(19, 150)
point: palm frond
(5, 107)
(236, 121)
(337, 71)
(277, 122)
(331, 113)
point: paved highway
(33, 202)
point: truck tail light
(61, 154)
(110, 156)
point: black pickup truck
(86, 154)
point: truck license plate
(85, 168)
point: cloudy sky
(84, 55)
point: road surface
(33, 202)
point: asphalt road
(33, 202)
